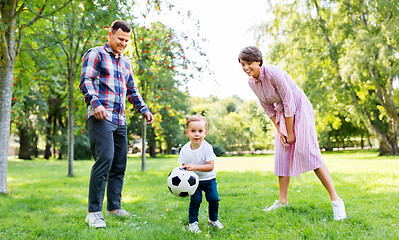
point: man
(106, 81)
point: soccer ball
(182, 183)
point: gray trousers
(108, 143)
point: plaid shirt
(107, 81)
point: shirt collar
(109, 50)
(261, 74)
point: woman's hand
(283, 140)
(290, 138)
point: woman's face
(252, 69)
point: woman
(296, 147)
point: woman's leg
(324, 175)
(283, 183)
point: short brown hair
(197, 118)
(250, 54)
(120, 24)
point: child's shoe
(338, 209)
(193, 227)
(216, 223)
(275, 205)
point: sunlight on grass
(44, 203)
(241, 164)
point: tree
(343, 51)
(11, 32)
(234, 125)
(161, 68)
(73, 30)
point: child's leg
(212, 196)
(284, 182)
(324, 175)
(195, 203)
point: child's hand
(188, 167)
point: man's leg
(102, 147)
(117, 171)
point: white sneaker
(338, 209)
(193, 227)
(122, 213)
(275, 205)
(216, 223)
(95, 219)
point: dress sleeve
(281, 80)
(268, 108)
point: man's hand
(100, 113)
(149, 117)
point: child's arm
(207, 167)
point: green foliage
(44, 203)
(82, 147)
(344, 52)
(161, 68)
(218, 150)
(235, 125)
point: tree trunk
(47, 150)
(24, 144)
(152, 144)
(143, 144)
(70, 127)
(7, 57)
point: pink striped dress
(279, 95)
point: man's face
(118, 41)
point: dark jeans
(211, 195)
(108, 143)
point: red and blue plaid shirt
(107, 81)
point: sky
(225, 24)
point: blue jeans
(211, 195)
(108, 143)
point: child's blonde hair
(197, 118)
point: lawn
(44, 203)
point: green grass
(44, 203)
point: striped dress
(280, 96)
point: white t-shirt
(200, 155)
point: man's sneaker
(193, 227)
(338, 209)
(95, 219)
(275, 205)
(120, 213)
(216, 223)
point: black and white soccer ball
(182, 183)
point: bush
(81, 149)
(218, 150)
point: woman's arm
(283, 139)
(289, 124)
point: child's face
(196, 132)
